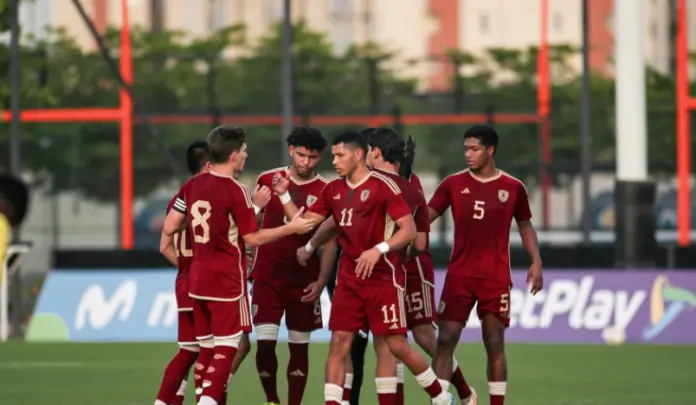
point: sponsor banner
(574, 307)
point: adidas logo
(466, 191)
(264, 374)
(393, 327)
(419, 316)
(297, 373)
(337, 196)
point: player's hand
(303, 256)
(299, 224)
(280, 183)
(261, 196)
(366, 263)
(313, 291)
(535, 278)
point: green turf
(129, 374)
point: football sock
(298, 369)
(332, 394)
(204, 358)
(399, 384)
(459, 382)
(357, 358)
(181, 394)
(347, 387)
(223, 400)
(267, 367)
(386, 390)
(428, 381)
(218, 372)
(496, 390)
(175, 373)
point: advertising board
(574, 307)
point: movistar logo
(667, 302)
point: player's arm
(167, 248)
(326, 232)
(440, 201)
(175, 220)
(327, 260)
(422, 220)
(523, 217)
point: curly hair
(307, 137)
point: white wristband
(383, 247)
(308, 247)
(285, 198)
(256, 209)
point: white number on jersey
(180, 243)
(200, 214)
(390, 310)
(346, 217)
(414, 302)
(479, 210)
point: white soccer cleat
(472, 399)
(446, 399)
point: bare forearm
(268, 235)
(401, 238)
(433, 215)
(530, 242)
(290, 209)
(327, 230)
(327, 260)
(167, 248)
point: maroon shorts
(460, 294)
(221, 319)
(380, 305)
(186, 333)
(269, 303)
(420, 303)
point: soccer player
(221, 216)
(281, 284)
(484, 201)
(388, 155)
(374, 223)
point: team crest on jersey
(503, 195)
(311, 199)
(364, 195)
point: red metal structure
(124, 115)
(685, 103)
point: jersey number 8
(200, 214)
(479, 210)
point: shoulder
(455, 178)
(267, 176)
(513, 181)
(385, 181)
(322, 180)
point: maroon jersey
(184, 257)
(421, 267)
(219, 213)
(365, 213)
(277, 261)
(482, 211)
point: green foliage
(225, 73)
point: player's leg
(387, 319)
(267, 309)
(347, 398)
(494, 310)
(385, 373)
(347, 317)
(204, 335)
(357, 365)
(230, 320)
(175, 377)
(301, 318)
(242, 351)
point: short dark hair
(225, 140)
(406, 167)
(352, 139)
(389, 142)
(486, 134)
(197, 155)
(307, 137)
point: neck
(486, 171)
(386, 167)
(358, 174)
(294, 173)
(224, 169)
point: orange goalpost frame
(685, 103)
(124, 115)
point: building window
(557, 22)
(484, 22)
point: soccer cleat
(471, 399)
(447, 399)
(270, 403)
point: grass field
(129, 374)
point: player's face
(239, 158)
(345, 159)
(305, 160)
(477, 155)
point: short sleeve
(522, 210)
(321, 205)
(243, 210)
(397, 206)
(422, 218)
(441, 198)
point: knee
(446, 340)
(398, 345)
(340, 344)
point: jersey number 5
(479, 210)
(200, 214)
